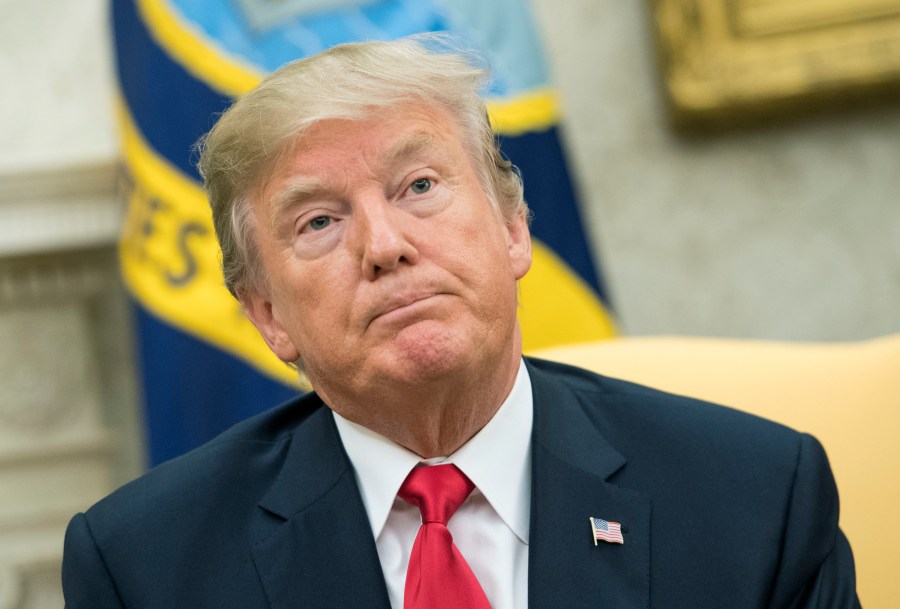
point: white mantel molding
(59, 208)
(50, 276)
(65, 365)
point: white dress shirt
(490, 528)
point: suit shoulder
(235, 464)
(755, 496)
(623, 409)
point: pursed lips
(400, 301)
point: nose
(382, 236)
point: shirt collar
(497, 460)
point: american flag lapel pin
(603, 530)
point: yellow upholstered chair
(846, 394)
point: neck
(436, 418)
(453, 417)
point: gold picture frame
(728, 62)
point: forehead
(335, 152)
(385, 134)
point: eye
(319, 222)
(420, 186)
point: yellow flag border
(204, 319)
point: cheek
(322, 299)
(470, 236)
(296, 300)
(481, 261)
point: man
(374, 235)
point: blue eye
(420, 186)
(319, 222)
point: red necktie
(438, 576)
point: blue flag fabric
(180, 63)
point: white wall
(56, 70)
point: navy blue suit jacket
(720, 510)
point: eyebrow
(297, 191)
(410, 146)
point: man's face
(386, 264)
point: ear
(259, 311)
(519, 244)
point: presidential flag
(180, 63)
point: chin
(429, 353)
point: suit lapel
(571, 464)
(316, 549)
